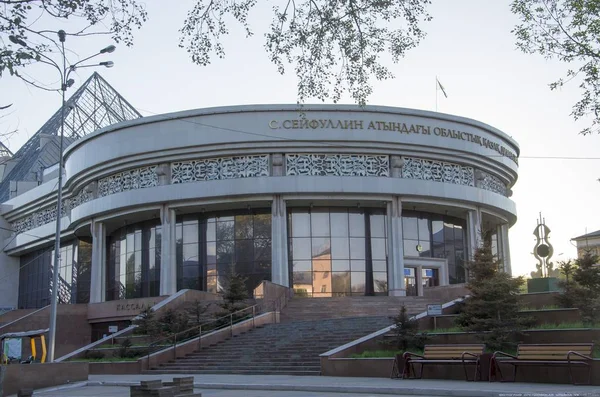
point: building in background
(588, 243)
(330, 200)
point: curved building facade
(331, 200)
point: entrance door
(410, 281)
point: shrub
(174, 321)
(93, 355)
(147, 324)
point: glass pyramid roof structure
(96, 104)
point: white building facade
(330, 200)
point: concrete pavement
(300, 386)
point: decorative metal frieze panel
(137, 178)
(83, 196)
(219, 168)
(337, 165)
(438, 171)
(23, 224)
(491, 183)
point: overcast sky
(470, 48)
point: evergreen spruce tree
(234, 293)
(568, 285)
(407, 332)
(586, 291)
(492, 310)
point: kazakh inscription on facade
(400, 127)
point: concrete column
(503, 237)
(168, 262)
(98, 273)
(419, 280)
(279, 248)
(395, 264)
(473, 231)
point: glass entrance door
(410, 281)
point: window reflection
(133, 262)
(240, 239)
(328, 255)
(438, 236)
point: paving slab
(369, 386)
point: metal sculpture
(543, 250)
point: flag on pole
(441, 87)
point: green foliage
(406, 332)
(334, 46)
(174, 321)
(34, 22)
(493, 307)
(147, 323)
(382, 353)
(125, 350)
(93, 355)
(198, 311)
(569, 31)
(234, 294)
(567, 298)
(581, 288)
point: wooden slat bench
(568, 355)
(464, 354)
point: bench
(570, 355)
(464, 354)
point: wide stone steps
(308, 328)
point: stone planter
(546, 284)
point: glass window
(321, 247)
(357, 248)
(379, 266)
(358, 282)
(377, 225)
(380, 283)
(340, 248)
(410, 248)
(410, 229)
(423, 224)
(302, 266)
(243, 227)
(357, 224)
(301, 248)
(357, 266)
(340, 265)
(340, 283)
(211, 231)
(378, 248)
(190, 232)
(225, 230)
(300, 224)
(319, 222)
(339, 224)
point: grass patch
(544, 307)
(382, 353)
(105, 359)
(575, 325)
(444, 330)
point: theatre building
(330, 200)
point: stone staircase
(307, 309)
(308, 327)
(289, 348)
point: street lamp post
(65, 83)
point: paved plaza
(301, 386)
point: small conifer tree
(147, 323)
(492, 310)
(407, 332)
(586, 291)
(568, 285)
(234, 293)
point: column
(505, 248)
(396, 285)
(168, 262)
(279, 247)
(474, 230)
(98, 273)
(419, 280)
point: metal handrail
(276, 303)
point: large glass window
(133, 261)
(432, 235)
(209, 245)
(35, 275)
(337, 251)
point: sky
(469, 46)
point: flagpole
(436, 90)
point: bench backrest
(554, 351)
(441, 352)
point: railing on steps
(221, 323)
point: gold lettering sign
(400, 127)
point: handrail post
(175, 346)
(253, 315)
(231, 323)
(199, 336)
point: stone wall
(37, 376)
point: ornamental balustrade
(253, 166)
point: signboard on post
(113, 328)
(434, 310)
